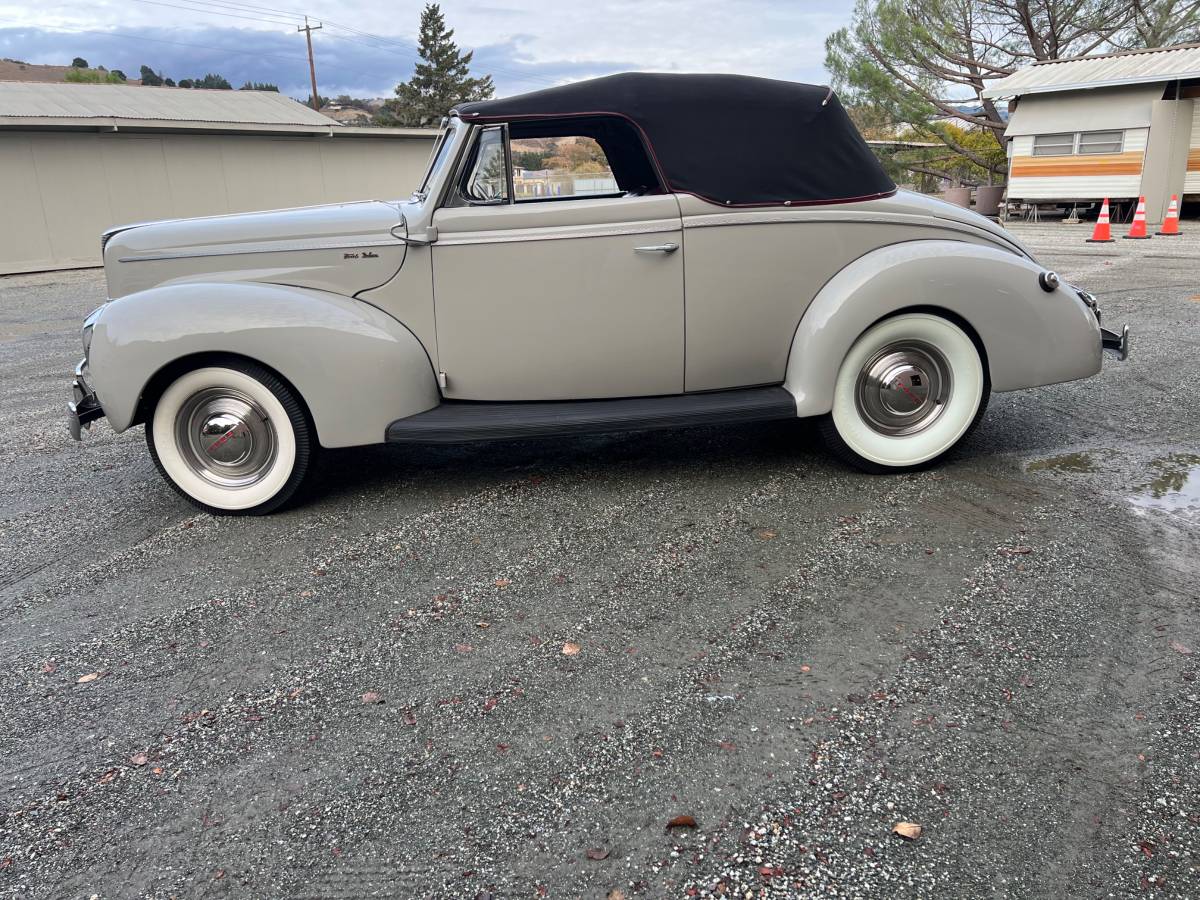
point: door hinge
(442, 380)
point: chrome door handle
(658, 248)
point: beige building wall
(62, 189)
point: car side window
(487, 178)
(570, 166)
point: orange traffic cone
(1138, 231)
(1170, 225)
(1102, 233)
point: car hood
(344, 248)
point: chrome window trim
(560, 233)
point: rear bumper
(84, 407)
(1117, 342)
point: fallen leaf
(48, 667)
(409, 717)
(806, 669)
(139, 759)
(765, 534)
(108, 776)
(683, 821)
(220, 873)
(372, 697)
(598, 853)
(910, 831)
(727, 746)
(90, 676)
(503, 582)
(157, 770)
(616, 894)
(1181, 648)
(1015, 551)
(7, 862)
(489, 704)
(570, 648)
(769, 872)
(463, 648)
(483, 624)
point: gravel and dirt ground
(501, 670)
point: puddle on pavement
(1067, 462)
(1175, 484)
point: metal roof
(69, 103)
(1085, 72)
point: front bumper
(84, 407)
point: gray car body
(364, 308)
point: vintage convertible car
(730, 251)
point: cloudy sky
(366, 47)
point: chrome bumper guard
(1118, 343)
(84, 408)
(1109, 339)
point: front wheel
(231, 438)
(910, 388)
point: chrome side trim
(338, 243)
(559, 233)
(842, 217)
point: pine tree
(441, 79)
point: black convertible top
(730, 139)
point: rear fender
(1029, 336)
(356, 368)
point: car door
(558, 296)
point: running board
(457, 421)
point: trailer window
(1101, 141)
(1053, 144)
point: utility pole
(312, 69)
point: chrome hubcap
(225, 438)
(903, 388)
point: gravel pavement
(501, 670)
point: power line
(228, 14)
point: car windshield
(437, 159)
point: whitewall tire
(910, 388)
(231, 438)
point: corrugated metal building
(76, 159)
(1118, 126)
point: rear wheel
(231, 438)
(910, 388)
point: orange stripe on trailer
(1129, 163)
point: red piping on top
(475, 117)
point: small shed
(1119, 125)
(77, 159)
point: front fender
(1030, 336)
(355, 367)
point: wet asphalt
(501, 670)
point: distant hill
(15, 70)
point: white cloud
(525, 45)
